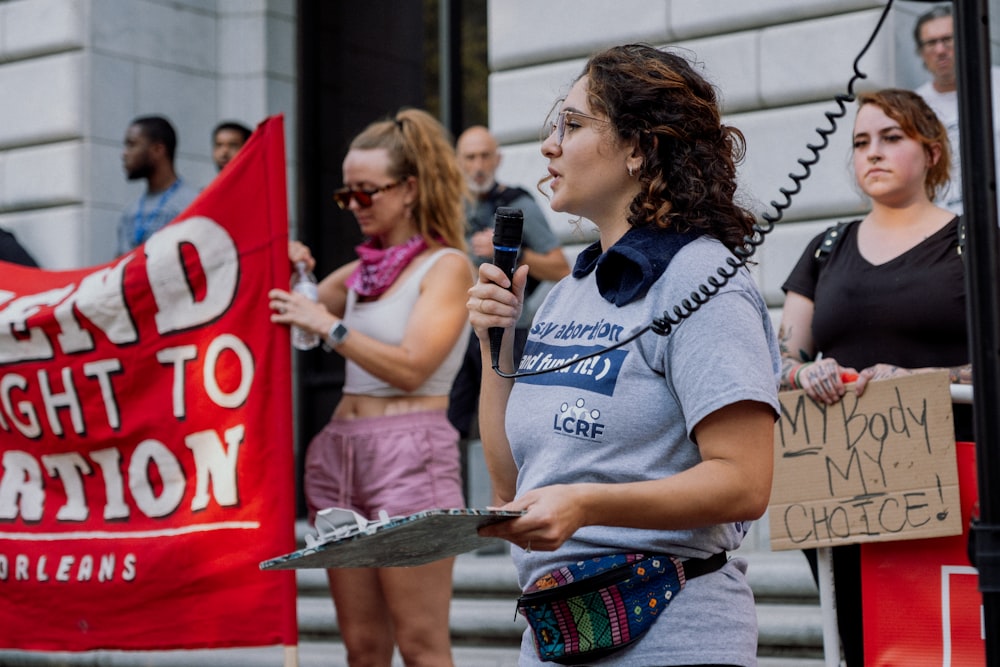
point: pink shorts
(401, 464)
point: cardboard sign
(871, 469)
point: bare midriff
(358, 406)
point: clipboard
(406, 541)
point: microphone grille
(508, 223)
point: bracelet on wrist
(798, 371)
(790, 376)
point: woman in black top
(887, 298)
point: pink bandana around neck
(380, 267)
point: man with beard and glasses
(479, 158)
(150, 143)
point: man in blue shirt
(150, 143)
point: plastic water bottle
(304, 282)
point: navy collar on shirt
(630, 267)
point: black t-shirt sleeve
(802, 279)
(12, 251)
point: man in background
(150, 143)
(479, 157)
(227, 139)
(934, 34)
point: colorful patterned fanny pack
(592, 608)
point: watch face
(338, 333)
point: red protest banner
(921, 599)
(145, 433)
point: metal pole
(452, 83)
(445, 64)
(975, 113)
(828, 606)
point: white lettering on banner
(178, 356)
(22, 477)
(108, 461)
(29, 428)
(960, 613)
(69, 568)
(177, 308)
(69, 468)
(101, 299)
(23, 485)
(213, 461)
(18, 341)
(65, 399)
(102, 370)
(101, 296)
(238, 396)
(23, 414)
(172, 477)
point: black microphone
(507, 226)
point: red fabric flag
(145, 433)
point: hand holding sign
(866, 469)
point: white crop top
(385, 319)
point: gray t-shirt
(627, 415)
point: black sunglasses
(343, 196)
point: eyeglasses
(566, 117)
(343, 196)
(946, 42)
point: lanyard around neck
(142, 222)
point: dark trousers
(463, 402)
(847, 592)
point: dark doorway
(359, 62)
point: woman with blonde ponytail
(397, 315)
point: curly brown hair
(688, 172)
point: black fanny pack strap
(695, 567)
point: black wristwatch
(338, 332)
